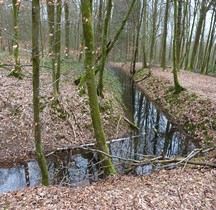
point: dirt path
(204, 86)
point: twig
(139, 80)
(130, 123)
(117, 127)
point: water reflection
(12, 179)
(156, 136)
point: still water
(156, 135)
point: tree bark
(163, 56)
(91, 85)
(17, 71)
(67, 29)
(104, 42)
(178, 87)
(209, 44)
(144, 61)
(51, 25)
(202, 17)
(58, 44)
(153, 33)
(36, 62)
(188, 44)
(135, 54)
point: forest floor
(194, 109)
(67, 124)
(173, 189)
(182, 188)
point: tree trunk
(51, 25)
(58, 44)
(163, 57)
(178, 87)
(36, 62)
(144, 61)
(91, 85)
(104, 42)
(202, 17)
(153, 33)
(135, 54)
(209, 45)
(67, 29)
(184, 31)
(17, 71)
(188, 44)
(198, 62)
(99, 27)
(179, 32)
(121, 27)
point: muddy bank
(193, 109)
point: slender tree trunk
(153, 33)
(104, 42)
(36, 61)
(41, 34)
(178, 87)
(17, 71)
(67, 29)
(144, 61)
(121, 27)
(116, 36)
(179, 31)
(91, 85)
(51, 25)
(198, 62)
(163, 57)
(135, 54)
(187, 53)
(99, 27)
(209, 45)
(58, 44)
(184, 31)
(202, 17)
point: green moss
(190, 128)
(106, 106)
(16, 74)
(140, 73)
(42, 106)
(16, 110)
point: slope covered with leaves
(63, 125)
(194, 109)
(174, 189)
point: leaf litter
(187, 188)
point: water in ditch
(156, 136)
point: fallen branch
(140, 80)
(4, 65)
(182, 160)
(130, 123)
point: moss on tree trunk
(17, 67)
(36, 61)
(104, 42)
(92, 89)
(176, 47)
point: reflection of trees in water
(75, 169)
(157, 135)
